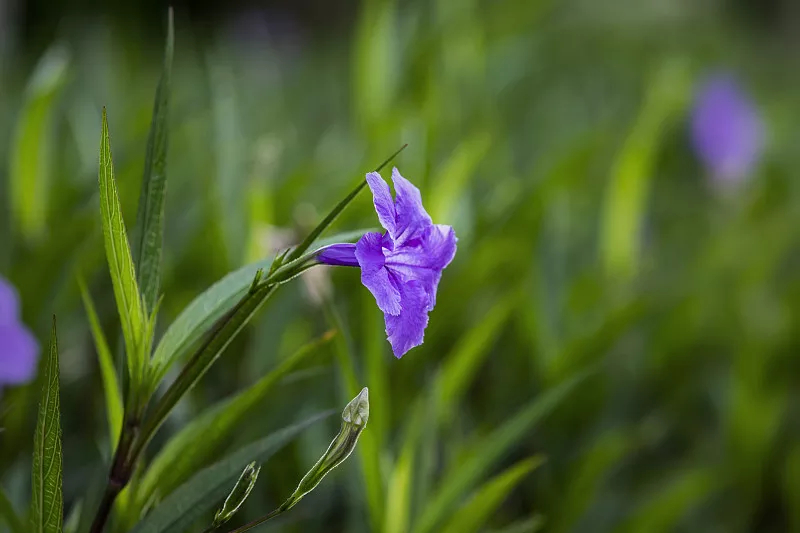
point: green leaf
(491, 448)
(585, 477)
(328, 220)
(465, 359)
(120, 263)
(107, 371)
(32, 152)
(398, 494)
(664, 511)
(200, 315)
(452, 380)
(207, 308)
(453, 179)
(209, 486)
(9, 514)
(368, 451)
(47, 506)
(149, 228)
(628, 189)
(473, 514)
(202, 439)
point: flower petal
(410, 217)
(9, 303)
(407, 329)
(369, 252)
(382, 198)
(374, 276)
(425, 260)
(18, 354)
(343, 254)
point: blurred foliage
(597, 263)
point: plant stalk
(119, 475)
(258, 521)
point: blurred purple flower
(727, 132)
(18, 349)
(401, 267)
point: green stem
(258, 521)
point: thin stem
(258, 521)
(119, 475)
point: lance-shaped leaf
(149, 229)
(221, 334)
(201, 439)
(47, 505)
(477, 510)
(120, 263)
(486, 452)
(238, 495)
(199, 495)
(210, 306)
(335, 212)
(107, 371)
(31, 155)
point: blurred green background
(553, 135)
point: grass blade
(368, 450)
(47, 505)
(665, 510)
(473, 514)
(585, 478)
(208, 487)
(628, 189)
(32, 152)
(328, 220)
(120, 262)
(464, 361)
(182, 455)
(107, 371)
(149, 229)
(488, 451)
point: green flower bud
(238, 495)
(354, 420)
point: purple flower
(727, 132)
(401, 267)
(18, 349)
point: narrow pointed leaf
(107, 371)
(328, 220)
(585, 478)
(488, 451)
(368, 451)
(120, 262)
(150, 217)
(465, 359)
(31, 155)
(208, 488)
(47, 504)
(214, 344)
(398, 494)
(207, 308)
(664, 511)
(214, 427)
(474, 513)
